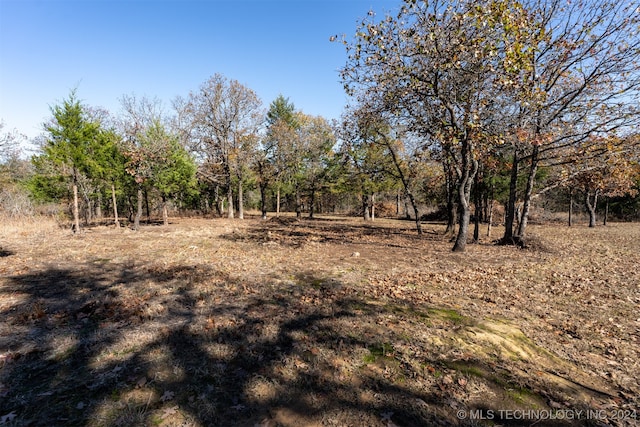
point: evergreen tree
(71, 136)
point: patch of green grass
(316, 283)
(469, 369)
(377, 351)
(498, 381)
(381, 349)
(359, 305)
(446, 314)
(520, 395)
(450, 315)
(408, 311)
(369, 358)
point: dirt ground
(213, 322)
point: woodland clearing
(331, 321)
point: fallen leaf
(167, 395)
(211, 323)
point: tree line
(454, 104)
(202, 156)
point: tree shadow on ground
(118, 345)
(293, 232)
(6, 252)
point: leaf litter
(203, 313)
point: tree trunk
(240, 200)
(570, 207)
(312, 201)
(485, 202)
(365, 207)
(373, 207)
(230, 201)
(469, 169)
(76, 214)
(450, 194)
(452, 215)
(278, 202)
(115, 205)
(524, 219)
(130, 208)
(591, 206)
(415, 212)
(464, 215)
(136, 221)
(219, 201)
(99, 206)
(88, 209)
(398, 203)
(263, 200)
(477, 208)
(298, 203)
(606, 212)
(146, 205)
(463, 225)
(165, 213)
(490, 216)
(510, 209)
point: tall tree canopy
(71, 136)
(468, 76)
(225, 116)
(437, 69)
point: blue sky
(165, 48)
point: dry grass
(324, 322)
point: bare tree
(9, 142)
(225, 117)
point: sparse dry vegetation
(267, 323)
